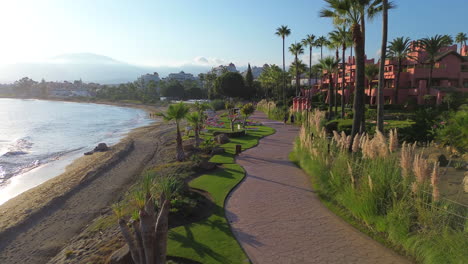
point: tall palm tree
(398, 49)
(176, 113)
(354, 13)
(461, 38)
(329, 65)
(283, 32)
(296, 49)
(320, 42)
(309, 41)
(343, 36)
(383, 50)
(334, 43)
(432, 46)
(371, 71)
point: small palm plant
(177, 113)
(195, 120)
(246, 111)
(148, 239)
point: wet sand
(36, 224)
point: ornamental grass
(391, 188)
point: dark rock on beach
(101, 147)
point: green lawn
(211, 240)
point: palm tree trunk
(337, 56)
(428, 89)
(180, 155)
(147, 235)
(330, 96)
(297, 77)
(397, 84)
(130, 241)
(343, 80)
(321, 53)
(197, 136)
(310, 68)
(383, 49)
(362, 127)
(284, 80)
(161, 230)
(139, 241)
(358, 105)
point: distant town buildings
(181, 77)
(146, 78)
(222, 69)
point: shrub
(455, 130)
(217, 104)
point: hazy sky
(175, 32)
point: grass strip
(211, 240)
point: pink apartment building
(450, 74)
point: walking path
(277, 217)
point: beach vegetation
(177, 113)
(390, 189)
(147, 239)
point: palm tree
(383, 50)
(320, 42)
(177, 112)
(371, 72)
(461, 38)
(309, 41)
(354, 13)
(195, 120)
(398, 49)
(330, 66)
(335, 43)
(342, 35)
(296, 49)
(148, 241)
(432, 46)
(283, 32)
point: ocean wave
(22, 165)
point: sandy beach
(36, 224)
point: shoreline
(18, 209)
(36, 176)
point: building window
(464, 68)
(465, 83)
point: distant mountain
(90, 68)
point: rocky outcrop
(101, 147)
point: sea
(39, 138)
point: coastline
(15, 212)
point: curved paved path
(277, 217)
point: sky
(195, 32)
